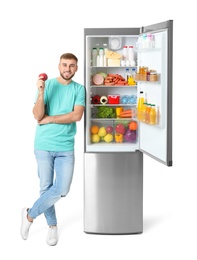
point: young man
(59, 105)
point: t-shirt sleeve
(80, 97)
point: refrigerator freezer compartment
(113, 194)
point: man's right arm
(39, 107)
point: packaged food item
(103, 100)
(153, 76)
(118, 111)
(113, 99)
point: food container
(113, 99)
(153, 76)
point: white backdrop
(33, 36)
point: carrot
(126, 116)
(126, 111)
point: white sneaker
(52, 237)
(25, 224)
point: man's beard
(68, 78)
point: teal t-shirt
(59, 99)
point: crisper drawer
(112, 135)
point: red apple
(109, 129)
(43, 76)
(120, 129)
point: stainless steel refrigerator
(113, 168)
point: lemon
(102, 131)
(95, 138)
(108, 138)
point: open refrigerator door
(155, 134)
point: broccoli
(106, 112)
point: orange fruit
(133, 125)
(94, 129)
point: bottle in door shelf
(140, 106)
(152, 115)
(144, 112)
(147, 115)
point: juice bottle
(152, 115)
(140, 106)
(144, 112)
(148, 108)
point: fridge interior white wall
(99, 40)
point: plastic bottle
(152, 115)
(127, 74)
(131, 56)
(97, 47)
(131, 80)
(149, 41)
(144, 112)
(140, 106)
(148, 108)
(94, 56)
(125, 54)
(105, 48)
(101, 57)
(97, 61)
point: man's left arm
(71, 117)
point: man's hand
(40, 84)
(45, 120)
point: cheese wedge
(113, 55)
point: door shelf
(148, 50)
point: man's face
(67, 68)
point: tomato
(133, 125)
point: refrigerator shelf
(112, 86)
(114, 105)
(148, 81)
(124, 67)
(113, 119)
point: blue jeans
(50, 164)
